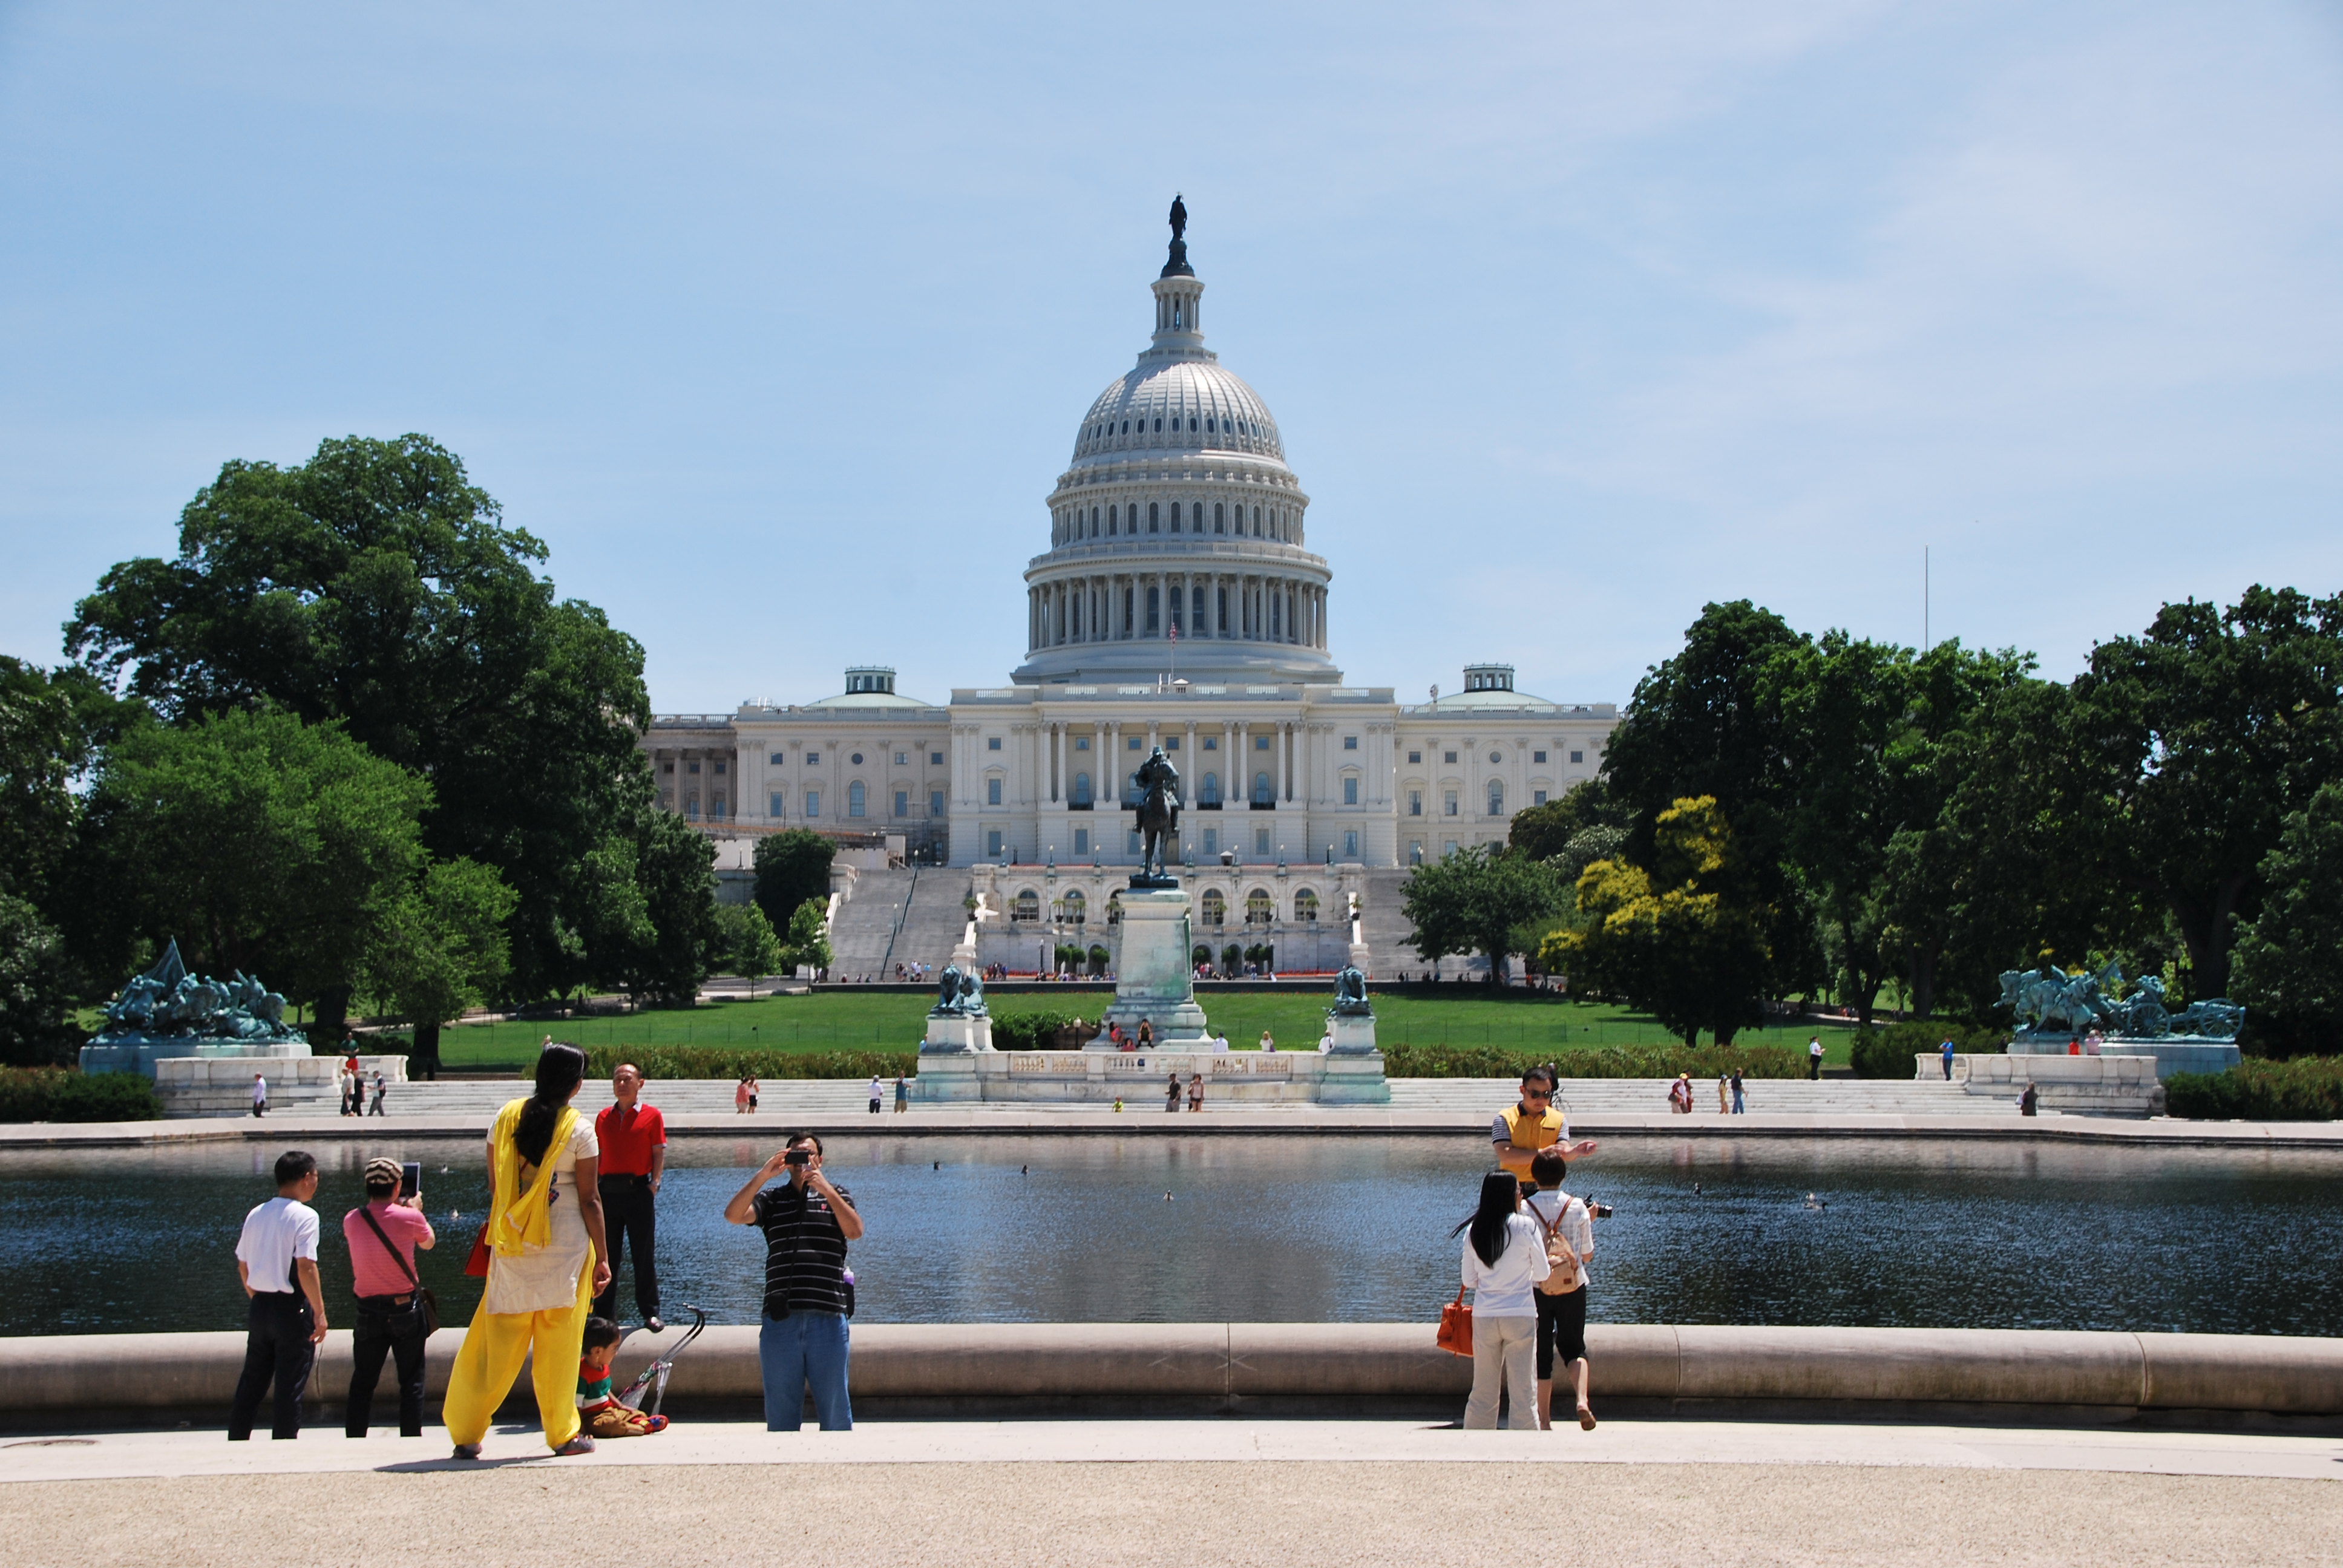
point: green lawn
(852, 1020)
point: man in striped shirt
(802, 1342)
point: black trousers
(277, 1349)
(1560, 1330)
(627, 1224)
(370, 1342)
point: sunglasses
(1537, 1094)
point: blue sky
(775, 322)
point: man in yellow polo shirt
(1534, 1124)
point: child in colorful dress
(598, 1408)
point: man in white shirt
(259, 1095)
(277, 1261)
(1815, 1058)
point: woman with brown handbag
(1569, 1234)
(1503, 1260)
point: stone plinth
(140, 1055)
(2075, 1085)
(222, 1085)
(1353, 1033)
(2171, 1053)
(949, 1034)
(1154, 973)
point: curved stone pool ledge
(58, 1382)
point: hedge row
(2306, 1088)
(1886, 1051)
(672, 1062)
(1605, 1061)
(67, 1094)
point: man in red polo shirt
(633, 1136)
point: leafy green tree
(1475, 900)
(2288, 967)
(1544, 832)
(675, 866)
(809, 939)
(377, 586)
(746, 937)
(36, 989)
(440, 949)
(792, 867)
(1683, 942)
(261, 843)
(2209, 730)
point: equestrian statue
(1158, 807)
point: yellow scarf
(518, 1220)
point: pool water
(1313, 1227)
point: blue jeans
(804, 1349)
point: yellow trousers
(490, 1357)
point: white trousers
(1505, 1355)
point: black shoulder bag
(423, 1307)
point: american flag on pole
(1175, 631)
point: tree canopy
(2287, 965)
(790, 868)
(1474, 901)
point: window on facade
(1132, 743)
(691, 768)
(716, 808)
(1219, 519)
(1351, 846)
(1154, 609)
(720, 768)
(1211, 743)
(1349, 792)
(1082, 743)
(1154, 516)
(1073, 909)
(1114, 908)
(935, 802)
(1260, 743)
(1537, 756)
(773, 804)
(992, 792)
(1350, 743)
(1496, 798)
(1537, 797)
(902, 758)
(1026, 907)
(692, 808)
(1081, 841)
(935, 758)
(1578, 756)
(776, 760)
(1416, 756)
(1175, 516)
(902, 802)
(1415, 851)
(1170, 743)
(992, 844)
(1262, 794)
(1448, 802)
(1209, 792)
(1211, 840)
(1496, 757)
(1113, 519)
(1448, 849)
(1305, 905)
(856, 760)
(1159, 424)
(813, 803)
(992, 743)
(1215, 908)
(1261, 842)
(1082, 790)
(1415, 802)
(669, 766)
(813, 758)
(1451, 756)
(1261, 909)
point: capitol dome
(1177, 531)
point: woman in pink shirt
(383, 1235)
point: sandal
(582, 1444)
(467, 1450)
(1585, 1418)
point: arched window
(1496, 797)
(1077, 908)
(854, 797)
(1081, 788)
(1261, 909)
(1209, 792)
(1262, 795)
(1191, 423)
(1305, 905)
(1159, 426)
(1215, 908)
(1027, 906)
(1113, 515)
(1152, 518)
(1256, 522)
(1175, 516)
(1220, 523)
(1094, 522)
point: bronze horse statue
(1159, 811)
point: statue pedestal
(139, 1054)
(1353, 1033)
(950, 1035)
(1154, 974)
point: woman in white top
(1504, 1262)
(546, 1261)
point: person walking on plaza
(382, 1234)
(259, 1095)
(803, 1342)
(1504, 1262)
(381, 1090)
(1680, 1095)
(1171, 1091)
(1569, 1234)
(902, 1094)
(277, 1263)
(1195, 1092)
(1945, 1053)
(1723, 1093)
(546, 1253)
(1739, 1104)
(876, 1094)
(633, 1139)
(1815, 1060)
(1535, 1123)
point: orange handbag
(1457, 1326)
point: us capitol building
(1178, 604)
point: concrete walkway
(1107, 1494)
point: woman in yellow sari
(546, 1262)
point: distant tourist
(1723, 1093)
(877, 1094)
(381, 1091)
(1815, 1058)
(259, 1095)
(382, 1234)
(1195, 1092)
(1680, 1095)
(744, 1094)
(1171, 1092)
(632, 1138)
(277, 1263)
(1221, 1042)
(1146, 1033)
(1945, 1054)
(1739, 1104)
(2027, 1101)
(902, 1094)
(803, 1342)
(1268, 1042)
(545, 1251)
(1503, 1261)
(1569, 1232)
(1534, 1123)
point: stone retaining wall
(55, 1380)
(222, 1085)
